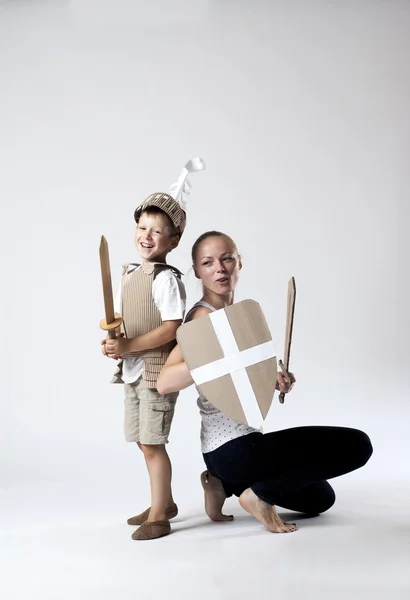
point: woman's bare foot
(265, 513)
(215, 497)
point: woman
(288, 468)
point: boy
(151, 302)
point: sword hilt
(111, 327)
(286, 374)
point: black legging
(289, 468)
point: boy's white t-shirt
(168, 293)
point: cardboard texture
(232, 360)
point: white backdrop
(301, 112)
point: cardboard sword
(111, 322)
(289, 330)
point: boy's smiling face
(155, 237)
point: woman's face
(217, 264)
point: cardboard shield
(232, 360)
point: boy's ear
(240, 262)
(174, 242)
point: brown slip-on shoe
(150, 530)
(170, 513)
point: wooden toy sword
(111, 322)
(289, 330)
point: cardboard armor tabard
(231, 357)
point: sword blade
(106, 281)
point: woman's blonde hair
(207, 235)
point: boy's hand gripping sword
(111, 322)
(288, 334)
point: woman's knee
(318, 498)
(326, 500)
(362, 446)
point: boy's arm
(163, 334)
(153, 339)
(169, 297)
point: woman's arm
(175, 375)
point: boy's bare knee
(151, 450)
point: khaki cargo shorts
(148, 415)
